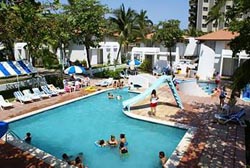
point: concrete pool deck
(214, 145)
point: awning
(16, 68)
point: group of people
(111, 96)
(113, 142)
(77, 162)
(118, 84)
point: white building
(215, 54)
(105, 54)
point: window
(204, 17)
(206, 1)
(204, 25)
(205, 9)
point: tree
(216, 14)
(168, 33)
(87, 21)
(124, 26)
(193, 32)
(144, 24)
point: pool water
(73, 128)
(207, 87)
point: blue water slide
(27, 70)
(3, 128)
(163, 79)
(4, 70)
(14, 67)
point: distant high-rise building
(198, 14)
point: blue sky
(157, 10)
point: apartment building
(198, 14)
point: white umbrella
(74, 70)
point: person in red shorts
(153, 102)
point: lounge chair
(56, 89)
(48, 91)
(20, 97)
(4, 103)
(27, 93)
(40, 93)
(105, 82)
(235, 117)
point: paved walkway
(214, 145)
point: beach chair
(235, 117)
(105, 82)
(48, 91)
(27, 93)
(22, 98)
(56, 89)
(4, 103)
(40, 93)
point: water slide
(162, 80)
(3, 128)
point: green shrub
(49, 59)
(56, 80)
(106, 73)
(146, 66)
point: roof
(220, 35)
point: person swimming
(110, 96)
(113, 142)
(123, 149)
(123, 139)
(101, 143)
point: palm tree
(144, 25)
(124, 26)
(216, 13)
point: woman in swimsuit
(123, 149)
(113, 142)
(153, 102)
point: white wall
(206, 62)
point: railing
(12, 133)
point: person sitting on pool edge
(110, 96)
(112, 142)
(28, 138)
(163, 158)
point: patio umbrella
(74, 70)
(135, 62)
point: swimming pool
(74, 128)
(208, 87)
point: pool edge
(178, 153)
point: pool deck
(214, 144)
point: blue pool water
(207, 87)
(74, 128)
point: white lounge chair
(48, 91)
(40, 93)
(4, 103)
(56, 89)
(27, 93)
(105, 82)
(20, 97)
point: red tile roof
(220, 35)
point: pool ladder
(13, 134)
